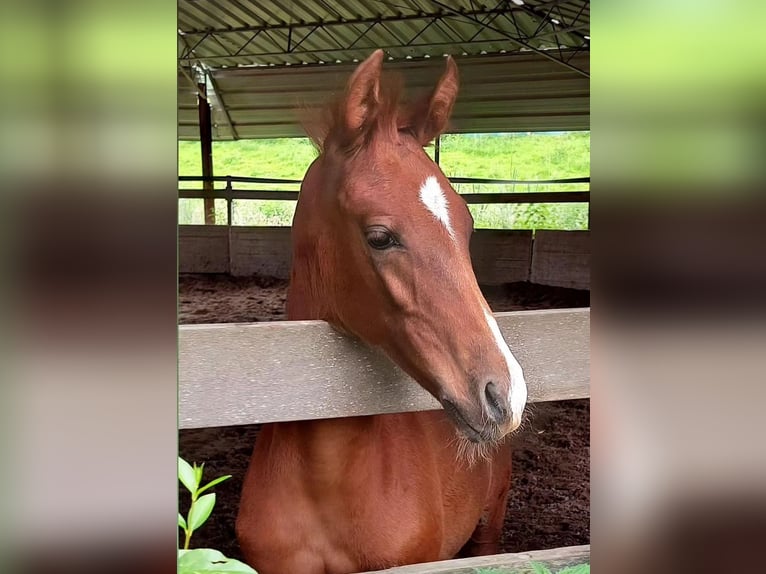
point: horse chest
(384, 500)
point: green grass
(500, 156)
(537, 568)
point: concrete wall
(501, 256)
(559, 258)
(260, 251)
(203, 249)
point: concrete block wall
(557, 258)
(260, 251)
(561, 259)
(501, 256)
(203, 249)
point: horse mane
(389, 115)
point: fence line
(246, 179)
(233, 374)
(229, 193)
(471, 198)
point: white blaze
(432, 196)
(518, 389)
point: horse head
(381, 251)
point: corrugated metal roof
(231, 33)
(498, 94)
(264, 59)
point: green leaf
(181, 521)
(198, 473)
(538, 568)
(187, 476)
(208, 561)
(200, 510)
(212, 483)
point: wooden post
(228, 200)
(437, 149)
(206, 149)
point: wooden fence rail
(233, 374)
(554, 559)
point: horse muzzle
(473, 426)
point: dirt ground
(549, 505)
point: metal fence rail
(229, 194)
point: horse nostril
(496, 406)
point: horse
(381, 252)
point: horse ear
(431, 117)
(363, 93)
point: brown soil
(549, 505)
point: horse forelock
(390, 116)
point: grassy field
(499, 156)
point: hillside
(500, 156)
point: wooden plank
(553, 559)
(203, 249)
(561, 259)
(501, 256)
(232, 374)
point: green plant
(201, 506)
(208, 561)
(201, 560)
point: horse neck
(302, 303)
(309, 296)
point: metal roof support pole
(437, 148)
(206, 150)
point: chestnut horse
(380, 251)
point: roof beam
(517, 41)
(342, 50)
(440, 15)
(217, 93)
(192, 82)
(342, 22)
(545, 18)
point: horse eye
(380, 239)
